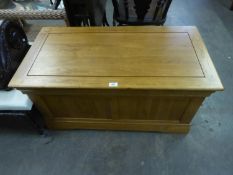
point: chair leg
(105, 21)
(231, 6)
(114, 22)
(56, 4)
(35, 116)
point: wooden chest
(118, 78)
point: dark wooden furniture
(138, 12)
(231, 8)
(118, 78)
(86, 12)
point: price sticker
(113, 84)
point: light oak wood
(191, 109)
(123, 111)
(163, 74)
(105, 50)
(187, 67)
(125, 125)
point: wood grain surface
(117, 109)
(117, 55)
(136, 57)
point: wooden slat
(120, 125)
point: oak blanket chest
(118, 78)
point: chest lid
(131, 57)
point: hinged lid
(132, 57)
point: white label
(113, 84)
